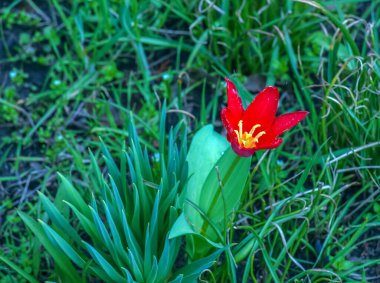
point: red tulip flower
(256, 127)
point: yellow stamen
(253, 128)
(247, 140)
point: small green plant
(118, 232)
(7, 106)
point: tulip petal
(234, 110)
(234, 103)
(228, 120)
(262, 110)
(287, 121)
(244, 152)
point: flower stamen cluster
(247, 140)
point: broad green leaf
(217, 178)
(205, 150)
(224, 186)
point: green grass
(72, 72)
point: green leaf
(192, 271)
(86, 223)
(58, 219)
(178, 279)
(217, 178)
(103, 263)
(60, 259)
(130, 237)
(65, 246)
(168, 258)
(152, 277)
(205, 150)
(217, 194)
(225, 184)
(115, 233)
(136, 267)
(72, 196)
(182, 227)
(128, 275)
(16, 268)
